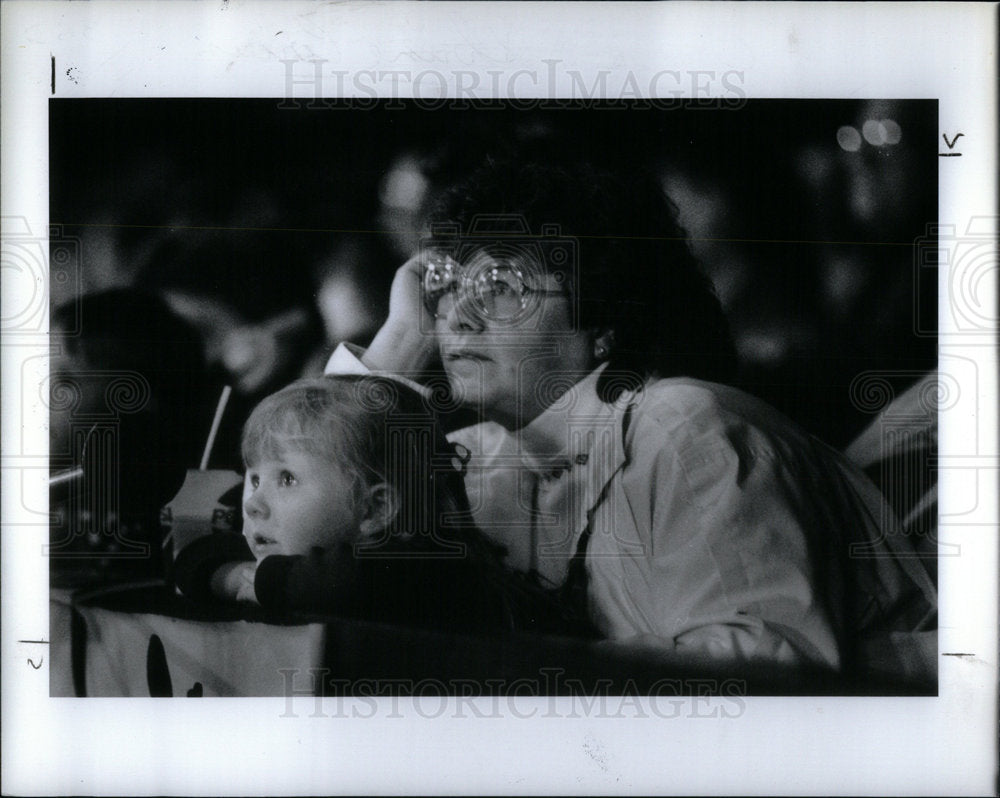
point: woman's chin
(466, 384)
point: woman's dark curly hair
(635, 273)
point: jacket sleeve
(771, 548)
(732, 567)
(197, 561)
(346, 359)
(321, 582)
(439, 592)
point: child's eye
(287, 479)
(254, 481)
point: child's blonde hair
(376, 431)
(380, 431)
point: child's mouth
(262, 540)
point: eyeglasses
(494, 288)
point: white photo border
(943, 51)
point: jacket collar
(581, 434)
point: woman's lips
(464, 354)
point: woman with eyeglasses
(613, 462)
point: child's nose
(254, 506)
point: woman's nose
(463, 315)
(254, 506)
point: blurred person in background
(127, 388)
(249, 295)
(807, 221)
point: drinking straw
(76, 472)
(219, 410)
(65, 476)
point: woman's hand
(234, 582)
(406, 342)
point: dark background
(251, 210)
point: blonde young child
(354, 504)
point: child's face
(294, 502)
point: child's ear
(380, 510)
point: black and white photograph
(446, 396)
(625, 383)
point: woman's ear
(381, 506)
(604, 342)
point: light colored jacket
(714, 528)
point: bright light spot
(874, 133)
(405, 185)
(848, 138)
(893, 132)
